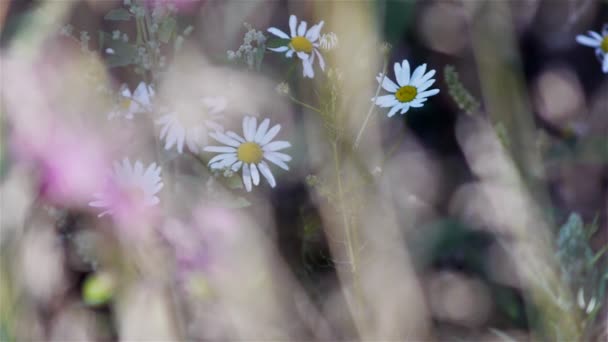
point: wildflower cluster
(251, 52)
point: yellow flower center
(125, 103)
(301, 44)
(604, 45)
(406, 93)
(250, 152)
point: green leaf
(234, 182)
(119, 14)
(124, 53)
(98, 289)
(166, 30)
(237, 203)
(277, 42)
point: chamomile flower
(132, 103)
(250, 152)
(190, 126)
(409, 91)
(599, 42)
(130, 187)
(304, 43)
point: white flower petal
(321, 60)
(399, 75)
(236, 166)
(404, 108)
(255, 175)
(265, 170)
(276, 145)
(247, 177)
(394, 110)
(262, 130)
(235, 136)
(314, 32)
(588, 41)
(224, 139)
(221, 149)
(270, 135)
(426, 85)
(405, 71)
(387, 84)
(386, 101)
(418, 72)
(302, 28)
(293, 21)
(275, 160)
(280, 155)
(221, 157)
(424, 78)
(278, 33)
(428, 93)
(605, 64)
(279, 49)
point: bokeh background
(475, 222)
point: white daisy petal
(255, 175)
(426, 85)
(282, 156)
(424, 78)
(405, 71)
(247, 177)
(235, 136)
(302, 28)
(278, 33)
(404, 108)
(418, 72)
(279, 49)
(270, 135)
(224, 139)
(276, 145)
(605, 64)
(321, 60)
(221, 157)
(428, 93)
(394, 110)
(399, 75)
(221, 149)
(595, 35)
(275, 160)
(386, 101)
(236, 166)
(314, 33)
(387, 84)
(262, 130)
(293, 21)
(588, 41)
(265, 170)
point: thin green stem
(347, 231)
(371, 107)
(304, 104)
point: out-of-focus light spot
(458, 299)
(443, 27)
(558, 95)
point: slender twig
(371, 107)
(304, 104)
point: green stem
(371, 107)
(351, 236)
(304, 104)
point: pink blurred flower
(68, 164)
(130, 194)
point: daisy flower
(191, 127)
(131, 187)
(250, 152)
(410, 90)
(304, 43)
(599, 42)
(132, 103)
